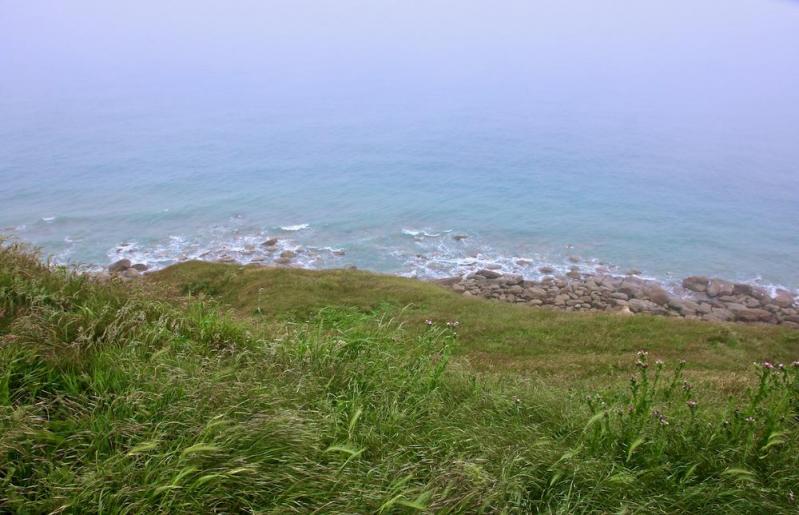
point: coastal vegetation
(221, 388)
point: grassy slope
(324, 392)
(497, 336)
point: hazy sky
(745, 50)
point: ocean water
(689, 178)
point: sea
(410, 178)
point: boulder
(546, 270)
(271, 242)
(288, 254)
(459, 237)
(643, 306)
(696, 283)
(141, 267)
(512, 278)
(719, 287)
(784, 299)
(657, 295)
(488, 274)
(119, 266)
(751, 314)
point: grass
(217, 388)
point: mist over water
(658, 137)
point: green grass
(282, 390)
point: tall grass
(112, 400)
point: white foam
(48, 219)
(294, 228)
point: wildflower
(641, 364)
(791, 497)
(428, 322)
(795, 364)
(659, 362)
(781, 366)
(660, 417)
(692, 404)
(751, 420)
(767, 365)
(682, 362)
(642, 354)
(687, 386)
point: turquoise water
(659, 142)
(391, 185)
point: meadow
(220, 388)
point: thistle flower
(692, 404)
(768, 365)
(687, 386)
(428, 322)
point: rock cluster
(125, 269)
(703, 298)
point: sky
(705, 50)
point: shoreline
(697, 298)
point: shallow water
(672, 183)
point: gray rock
(751, 315)
(784, 299)
(695, 283)
(657, 295)
(546, 270)
(643, 306)
(718, 287)
(141, 267)
(560, 300)
(488, 274)
(537, 292)
(288, 254)
(574, 259)
(512, 278)
(119, 266)
(271, 242)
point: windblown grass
(112, 400)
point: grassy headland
(224, 388)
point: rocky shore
(699, 297)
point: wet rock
(459, 237)
(633, 271)
(717, 287)
(488, 274)
(141, 267)
(288, 254)
(546, 270)
(271, 242)
(523, 262)
(574, 259)
(695, 283)
(119, 266)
